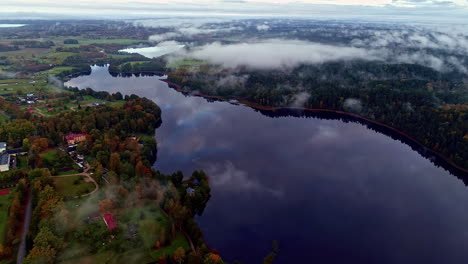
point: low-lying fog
(268, 43)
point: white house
(3, 146)
(4, 162)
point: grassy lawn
(26, 53)
(3, 119)
(186, 64)
(59, 161)
(69, 172)
(58, 57)
(178, 241)
(50, 155)
(22, 162)
(72, 186)
(26, 86)
(4, 204)
(54, 71)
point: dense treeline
(48, 219)
(13, 221)
(4, 48)
(156, 65)
(424, 103)
(34, 43)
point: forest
(426, 104)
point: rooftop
(190, 190)
(110, 221)
(73, 136)
(5, 159)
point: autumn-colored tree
(269, 258)
(45, 238)
(194, 257)
(114, 162)
(212, 258)
(179, 255)
(178, 212)
(97, 176)
(140, 169)
(105, 206)
(41, 255)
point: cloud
(300, 100)
(353, 105)
(163, 37)
(430, 10)
(187, 28)
(7, 75)
(275, 53)
(228, 177)
(52, 80)
(263, 27)
(163, 48)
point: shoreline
(272, 109)
(455, 169)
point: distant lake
(328, 190)
(154, 52)
(11, 25)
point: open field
(59, 161)
(186, 64)
(37, 85)
(56, 106)
(26, 53)
(72, 186)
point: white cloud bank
(276, 53)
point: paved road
(27, 221)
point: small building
(196, 182)
(73, 139)
(5, 162)
(190, 191)
(3, 146)
(110, 221)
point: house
(4, 162)
(3, 146)
(71, 149)
(190, 191)
(16, 152)
(196, 182)
(73, 139)
(110, 221)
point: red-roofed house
(110, 221)
(75, 138)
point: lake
(154, 52)
(329, 191)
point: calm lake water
(329, 191)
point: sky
(429, 10)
